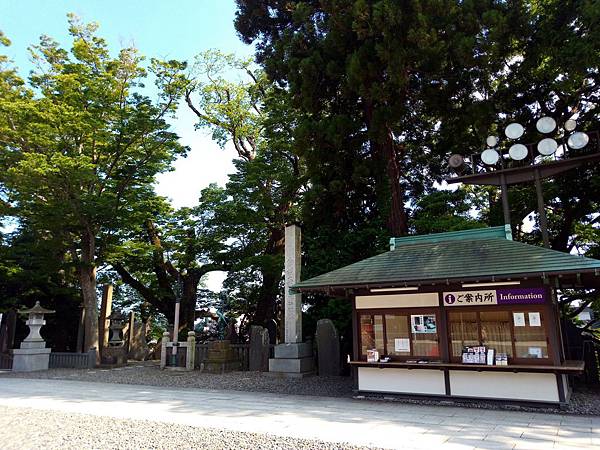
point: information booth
(469, 314)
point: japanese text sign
(495, 297)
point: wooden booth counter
(518, 382)
(569, 367)
(478, 306)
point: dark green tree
(383, 73)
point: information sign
(515, 296)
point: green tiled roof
(457, 255)
(501, 232)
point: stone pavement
(360, 422)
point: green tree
(264, 192)
(384, 72)
(82, 146)
(442, 211)
(167, 257)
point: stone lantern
(115, 355)
(116, 330)
(33, 354)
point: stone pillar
(293, 358)
(293, 302)
(163, 349)
(33, 354)
(190, 356)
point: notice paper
(535, 352)
(402, 345)
(519, 319)
(534, 319)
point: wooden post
(163, 350)
(191, 351)
(105, 311)
(81, 331)
(131, 331)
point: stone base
(30, 359)
(114, 356)
(292, 360)
(219, 366)
(175, 369)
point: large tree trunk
(271, 277)
(87, 278)
(188, 302)
(390, 193)
(397, 218)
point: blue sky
(174, 29)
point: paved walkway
(360, 422)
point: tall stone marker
(293, 358)
(328, 348)
(33, 354)
(293, 302)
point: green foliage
(442, 211)
(235, 101)
(386, 90)
(81, 145)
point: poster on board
(535, 319)
(402, 345)
(423, 323)
(519, 319)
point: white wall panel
(417, 381)
(504, 385)
(397, 300)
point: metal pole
(541, 208)
(505, 207)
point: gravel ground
(584, 401)
(149, 373)
(26, 428)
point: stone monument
(293, 358)
(219, 358)
(328, 348)
(258, 360)
(33, 354)
(138, 348)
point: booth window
(371, 333)
(521, 335)
(400, 336)
(530, 336)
